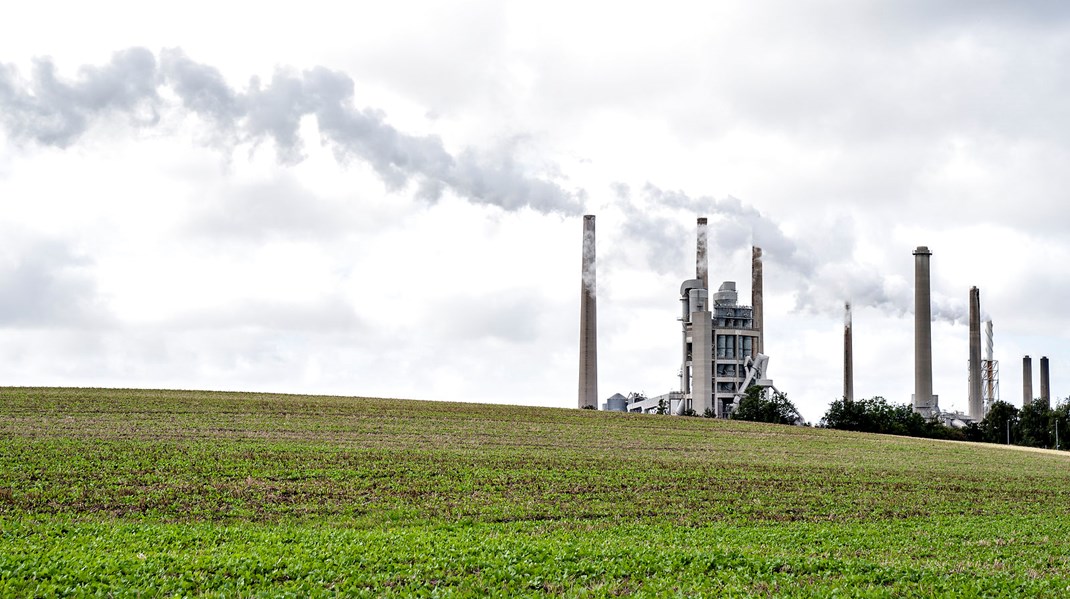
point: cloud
(53, 112)
(655, 221)
(44, 283)
(511, 316)
(49, 111)
(326, 315)
(279, 207)
(820, 266)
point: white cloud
(410, 241)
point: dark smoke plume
(50, 111)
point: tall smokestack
(923, 339)
(756, 299)
(976, 402)
(1027, 381)
(588, 396)
(848, 358)
(990, 366)
(1045, 386)
(702, 261)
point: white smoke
(589, 262)
(47, 110)
(702, 262)
(822, 277)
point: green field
(145, 493)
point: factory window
(726, 388)
(726, 370)
(748, 347)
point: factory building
(720, 344)
(720, 339)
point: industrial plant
(722, 343)
(720, 340)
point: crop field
(134, 493)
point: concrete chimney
(848, 358)
(1045, 386)
(702, 363)
(976, 401)
(990, 365)
(702, 260)
(923, 340)
(756, 296)
(1027, 381)
(588, 395)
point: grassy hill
(138, 493)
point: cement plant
(722, 346)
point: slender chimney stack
(990, 379)
(1027, 381)
(923, 340)
(976, 402)
(848, 358)
(702, 261)
(588, 390)
(756, 296)
(1045, 386)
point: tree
(757, 408)
(1035, 425)
(663, 407)
(876, 415)
(1001, 417)
(1060, 422)
(972, 432)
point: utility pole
(1056, 433)
(1008, 431)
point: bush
(757, 408)
(877, 415)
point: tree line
(1036, 425)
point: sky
(386, 199)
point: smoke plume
(823, 277)
(589, 264)
(50, 111)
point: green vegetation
(142, 493)
(775, 409)
(877, 415)
(1036, 425)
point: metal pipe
(588, 387)
(685, 375)
(923, 342)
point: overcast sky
(387, 200)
